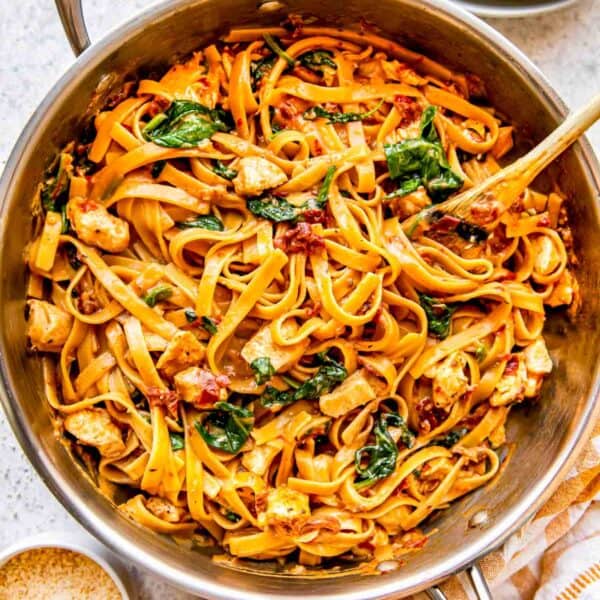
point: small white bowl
(77, 543)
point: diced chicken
(256, 174)
(259, 459)
(94, 427)
(199, 387)
(546, 257)
(261, 344)
(164, 510)
(48, 326)
(183, 351)
(287, 511)
(537, 359)
(564, 290)
(449, 380)
(538, 363)
(511, 387)
(351, 393)
(94, 225)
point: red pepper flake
(210, 386)
(512, 365)
(409, 109)
(316, 215)
(544, 221)
(168, 399)
(430, 416)
(299, 239)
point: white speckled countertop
(34, 53)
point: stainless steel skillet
(547, 439)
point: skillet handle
(71, 16)
(477, 580)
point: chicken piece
(511, 387)
(261, 344)
(537, 359)
(538, 363)
(199, 387)
(564, 290)
(287, 511)
(449, 380)
(255, 175)
(164, 510)
(352, 392)
(48, 326)
(94, 427)
(546, 257)
(183, 351)
(94, 225)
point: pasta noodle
(238, 330)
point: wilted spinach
(316, 60)
(451, 438)
(275, 47)
(224, 171)
(273, 208)
(259, 68)
(227, 427)
(263, 369)
(338, 117)
(382, 454)
(330, 373)
(439, 315)
(190, 315)
(202, 222)
(177, 441)
(185, 124)
(54, 193)
(208, 324)
(422, 160)
(157, 294)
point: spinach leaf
(481, 352)
(185, 124)
(263, 369)
(273, 208)
(177, 441)
(383, 453)
(209, 325)
(202, 222)
(157, 168)
(157, 294)
(408, 186)
(427, 128)
(329, 373)
(422, 159)
(451, 438)
(323, 193)
(224, 171)
(317, 59)
(227, 427)
(190, 315)
(231, 516)
(338, 117)
(259, 68)
(55, 190)
(275, 47)
(439, 315)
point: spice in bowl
(55, 574)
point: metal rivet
(388, 566)
(271, 6)
(479, 519)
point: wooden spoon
(483, 204)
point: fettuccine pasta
(237, 330)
